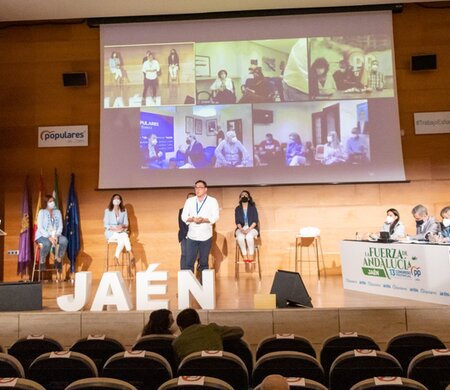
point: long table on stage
(405, 270)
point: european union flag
(72, 225)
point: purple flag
(25, 252)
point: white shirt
(151, 69)
(208, 208)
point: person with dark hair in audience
(345, 78)
(222, 89)
(294, 151)
(49, 233)
(319, 83)
(257, 88)
(426, 225)
(160, 322)
(182, 235)
(393, 225)
(269, 150)
(274, 382)
(197, 337)
(247, 229)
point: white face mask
(389, 219)
(354, 135)
(234, 140)
(446, 222)
(154, 141)
(330, 139)
(116, 202)
(51, 205)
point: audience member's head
(274, 382)
(445, 215)
(420, 214)
(159, 322)
(186, 318)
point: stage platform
(335, 310)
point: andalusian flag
(25, 251)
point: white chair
(309, 237)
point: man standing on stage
(200, 213)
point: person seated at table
(49, 233)
(194, 154)
(269, 150)
(444, 235)
(333, 151)
(115, 221)
(426, 225)
(246, 219)
(294, 151)
(357, 148)
(231, 153)
(345, 77)
(393, 225)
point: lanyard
(201, 204)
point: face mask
(446, 222)
(251, 76)
(51, 205)
(116, 202)
(291, 141)
(354, 135)
(419, 223)
(389, 219)
(374, 68)
(329, 139)
(234, 139)
(244, 199)
(154, 141)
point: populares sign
(62, 136)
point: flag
(55, 193)
(38, 207)
(72, 225)
(25, 251)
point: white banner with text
(432, 122)
(62, 136)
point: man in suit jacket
(426, 225)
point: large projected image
(301, 107)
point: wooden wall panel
(32, 94)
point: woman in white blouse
(116, 226)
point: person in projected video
(156, 158)
(194, 154)
(320, 84)
(333, 151)
(247, 229)
(222, 90)
(269, 151)
(257, 88)
(231, 153)
(174, 65)
(294, 151)
(151, 70)
(115, 66)
(357, 147)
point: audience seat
(196, 383)
(354, 366)
(407, 345)
(142, 369)
(217, 364)
(10, 367)
(284, 342)
(334, 346)
(56, 370)
(431, 368)
(288, 364)
(388, 383)
(99, 348)
(100, 384)
(28, 348)
(240, 348)
(160, 344)
(20, 384)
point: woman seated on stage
(393, 225)
(444, 235)
(49, 233)
(160, 322)
(116, 226)
(247, 229)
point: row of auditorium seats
(288, 355)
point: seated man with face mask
(194, 154)
(231, 153)
(156, 158)
(426, 225)
(357, 147)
